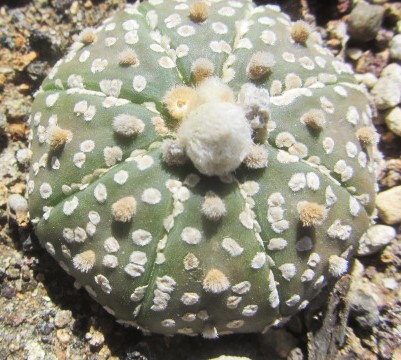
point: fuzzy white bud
(216, 137)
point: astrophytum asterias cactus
(201, 167)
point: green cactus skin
(158, 259)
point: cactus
(201, 167)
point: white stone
(389, 204)
(386, 93)
(393, 120)
(375, 238)
(395, 47)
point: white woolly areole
(216, 137)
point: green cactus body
(172, 221)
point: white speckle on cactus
(186, 30)
(79, 159)
(242, 288)
(293, 300)
(134, 270)
(274, 299)
(275, 213)
(307, 275)
(354, 206)
(191, 235)
(141, 237)
(87, 146)
(110, 41)
(138, 257)
(80, 235)
(319, 282)
(100, 193)
(288, 271)
(104, 283)
(110, 261)
(45, 190)
(168, 323)
(128, 125)
(189, 298)
(233, 302)
(94, 217)
(138, 293)
(297, 182)
(353, 116)
(313, 181)
(131, 37)
(258, 261)
(328, 145)
(246, 219)
(314, 260)
(250, 310)
(235, 324)
(257, 158)
(232, 247)
(50, 248)
(84, 261)
(112, 154)
(276, 244)
(90, 229)
(111, 245)
(280, 226)
(84, 56)
(69, 206)
(52, 99)
(339, 231)
(98, 65)
(215, 282)
(292, 81)
(151, 196)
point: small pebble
(365, 21)
(386, 93)
(392, 71)
(393, 120)
(389, 205)
(375, 239)
(24, 156)
(395, 47)
(62, 318)
(390, 284)
(34, 350)
(63, 336)
(367, 79)
(364, 308)
(97, 340)
(17, 203)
